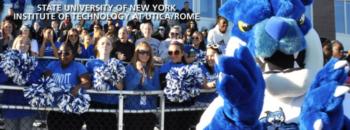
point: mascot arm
(322, 108)
(241, 85)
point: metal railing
(122, 93)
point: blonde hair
(18, 40)
(149, 64)
(99, 41)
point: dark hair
(221, 18)
(76, 45)
(69, 46)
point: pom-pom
(110, 74)
(42, 93)
(78, 105)
(183, 83)
(17, 66)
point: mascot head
(282, 40)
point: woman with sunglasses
(103, 121)
(174, 36)
(141, 75)
(73, 76)
(176, 120)
(17, 119)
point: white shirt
(215, 36)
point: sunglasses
(170, 53)
(64, 53)
(72, 35)
(214, 46)
(143, 52)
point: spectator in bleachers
(57, 33)
(36, 31)
(192, 25)
(205, 35)
(174, 36)
(78, 48)
(109, 23)
(112, 33)
(147, 30)
(123, 50)
(337, 49)
(219, 34)
(66, 24)
(165, 24)
(187, 37)
(92, 26)
(6, 37)
(25, 32)
(198, 46)
(185, 11)
(327, 50)
(189, 55)
(97, 33)
(134, 34)
(48, 46)
(73, 76)
(210, 74)
(17, 119)
(15, 23)
(102, 121)
(160, 34)
(141, 75)
(134, 23)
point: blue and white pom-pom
(17, 66)
(112, 73)
(183, 83)
(42, 93)
(67, 103)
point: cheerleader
(72, 77)
(101, 65)
(142, 75)
(176, 120)
(14, 74)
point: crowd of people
(148, 52)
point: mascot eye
(244, 27)
(301, 21)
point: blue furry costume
(287, 50)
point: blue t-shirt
(48, 49)
(132, 82)
(69, 76)
(101, 98)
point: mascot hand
(322, 108)
(242, 86)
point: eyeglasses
(143, 52)
(170, 53)
(214, 46)
(64, 53)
